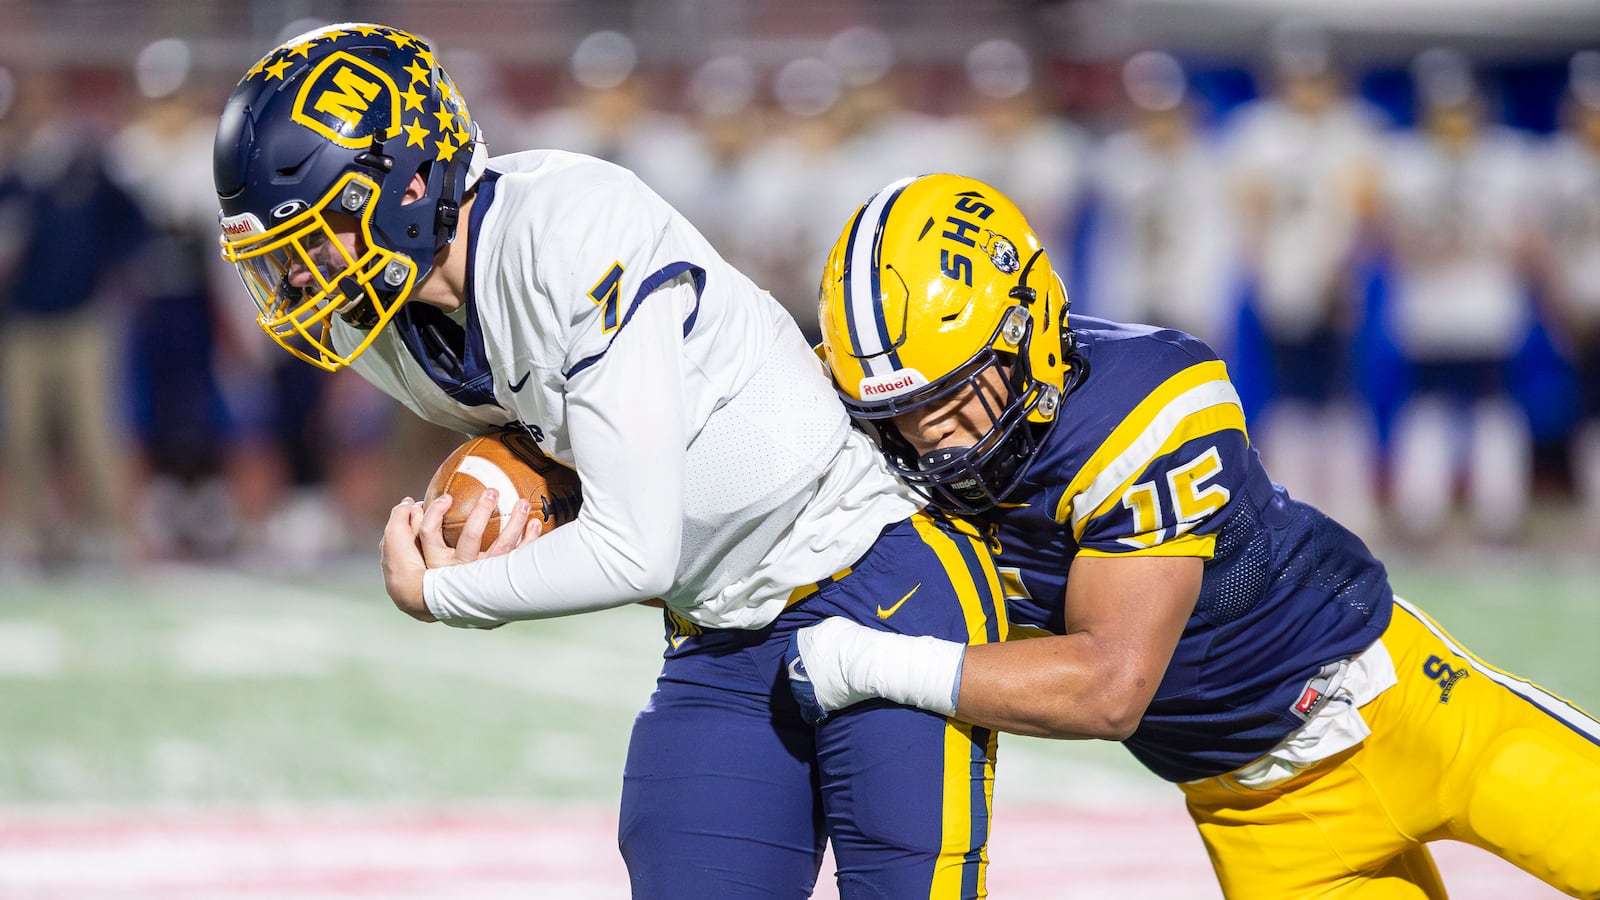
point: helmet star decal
(349, 100)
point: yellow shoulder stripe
(1210, 420)
(1192, 403)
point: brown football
(511, 463)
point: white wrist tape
(848, 663)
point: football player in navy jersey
(1240, 643)
(555, 293)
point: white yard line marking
(628, 663)
(254, 648)
(31, 649)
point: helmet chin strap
(448, 215)
(969, 489)
(357, 309)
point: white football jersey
(719, 469)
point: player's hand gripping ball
(512, 464)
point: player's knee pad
(1535, 801)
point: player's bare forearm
(1124, 618)
(1062, 686)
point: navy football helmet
(315, 151)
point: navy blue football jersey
(1150, 456)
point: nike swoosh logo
(517, 385)
(797, 670)
(886, 613)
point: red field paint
(1126, 853)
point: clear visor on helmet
(319, 264)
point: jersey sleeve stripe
(1138, 439)
(1133, 426)
(965, 564)
(650, 285)
(1210, 420)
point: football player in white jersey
(555, 293)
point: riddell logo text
(237, 228)
(888, 387)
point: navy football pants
(729, 794)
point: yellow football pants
(1459, 750)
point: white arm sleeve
(626, 416)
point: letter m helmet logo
(348, 100)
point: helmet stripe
(869, 330)
(844, 278)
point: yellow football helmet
(934, 281)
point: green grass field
(207, 691)
(208, 688)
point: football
(511, 463)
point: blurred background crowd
(1386, 217)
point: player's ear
(416, 189)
